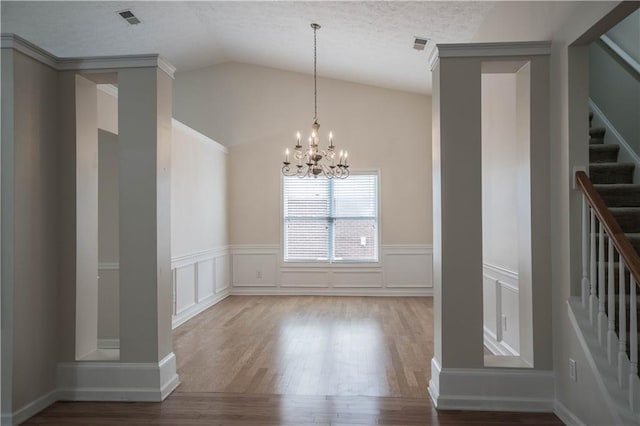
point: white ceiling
(367, 42)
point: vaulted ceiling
(367, 42)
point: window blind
(331, 220)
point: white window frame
(341, 263)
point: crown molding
(526, 48)
(91, 63)
(15, 42)
(434, 58)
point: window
(331, 220)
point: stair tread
(597, 131)
(605, 147)
(612, 165)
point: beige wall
(256, 112)
(36, 244)
(108, 253)
(499, 171)
(198, 193)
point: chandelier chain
(315, 78)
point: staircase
(612, 300)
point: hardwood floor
(373, 346)
(273, 360)
(198, 409)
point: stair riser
(607, 156)
(620, 198)
(611, 175)
(628, 222)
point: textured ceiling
(367, 42)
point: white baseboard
(30, 409)
(117, 381)
(374, 292)
(108, 343)
(497, 347)
(567, 417)
(491, 389)
(194, 310)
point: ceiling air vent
(420, 43)
(128, 16)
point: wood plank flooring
(373, 346)
(198, 409)
(266, 361)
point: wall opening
(506, 214)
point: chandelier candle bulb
(286, 155)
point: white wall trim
(108, 343)
(191, 258)
(336, 291)
(567, 417)
(108, 266)
(105, 63)
(403, 270)
(199, 136)
(620, 52)
(627, 152)
(586, 335)
(200, 280)
(117, 381)
(525, 48)
(497, 347)
(491, 389)
(501, 273)
(195, 309)
(30, 409)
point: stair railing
(600, 228)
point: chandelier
(313, 161)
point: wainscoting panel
(206, 283)
(357, 279)
(297, 278)
(222, 273)
(255, 266)
(403, 270)
(501, 310)
(408, 266)
(185, 287)
(200, 280)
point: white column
(457, 218)
(144, 119)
